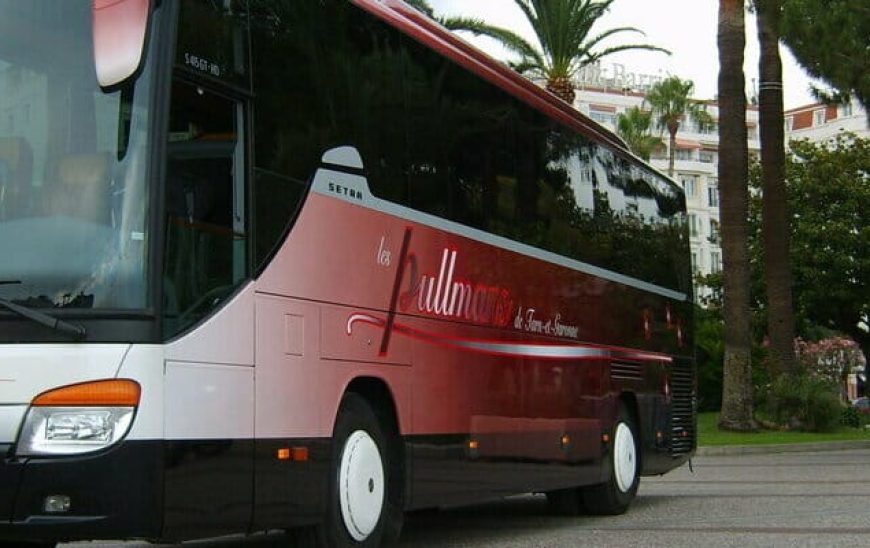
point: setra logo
(346, 191)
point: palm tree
(562, 31)
(452, 23)
(774, 223)
(634, 126)
(671, 103)
(733, 184)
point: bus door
(208, 321)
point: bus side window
(205, 252)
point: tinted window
(205, 229)
(482, 158)
(213, 40)
(325, 75)
(461, 145)
(439, 139)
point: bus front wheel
(359, 506)
(616, 494)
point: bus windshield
(73, 191)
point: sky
(685, 27)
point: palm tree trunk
(774, 224)
(562, 88)
(737, 404)
(672, 150)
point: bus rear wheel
(615, 495)
(359, 507)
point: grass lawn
(709, 434)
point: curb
(727, 450)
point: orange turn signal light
(104, 393)
(298, 454)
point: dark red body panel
(506, 379)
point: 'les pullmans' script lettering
(449, 296)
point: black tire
(566, 502)
(615, 495)
(301, 537)
(364, 510)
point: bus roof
(428, 32)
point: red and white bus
(274, 264)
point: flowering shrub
(812, 399)
(829, 359)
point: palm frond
(530, 68)
(563, 35)
(509, 39)
(593, 57)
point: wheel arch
(378, 394)
(629, 399)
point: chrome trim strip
(521, 349)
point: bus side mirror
(119, 28)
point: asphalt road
(790, 499)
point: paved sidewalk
(725, 450)
(788, 500)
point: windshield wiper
(76, 331)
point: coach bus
(309, 265)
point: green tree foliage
(828, 194)
(805, 402)
(671, 103)
(564, 42)
(709, 355)
(831, 39)
(634, 127)
(829, 197)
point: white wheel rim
(361, 485)
(624, 457)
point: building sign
(615, 75)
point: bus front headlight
(79, 418)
